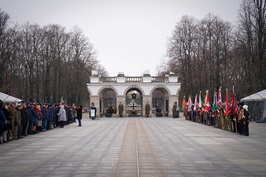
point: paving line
(136, 149)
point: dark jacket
(7, 126)
(23, 113)
(2, 117)
(79, 113)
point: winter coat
(34, 114)
(2, 117)
(23, 113)
(62, 114)
(45, 113)
(7, 126)
(79, 113)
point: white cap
(245, 107)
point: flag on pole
(214, 107)
(189, 103)
(233, 102)
(206, 103)
(226, 103)
(220, 103)
(196, 102)
(200, 104)
(184, 103)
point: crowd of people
(236, 120)
(18, 120)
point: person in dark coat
(24, 120)
(3, 121)
(79, 114)
(8, 126)
(45, 116)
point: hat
(245, 107)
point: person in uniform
(201, 111)
(246, 118)
(73, 112)
(147, 109)
(93, 111)
(222, 117)
(13, 117)
(174, 109)
(185, 112)
(120, 109)
(240, 114)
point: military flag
(200, 103)
(233, 108)
(196, 102)
(226, 102)
(220, 103)
(233, 103)
(214, 107)
(189, 102)
(184, 103)
(207, 103)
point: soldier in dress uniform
(93, 111)
(13, 117)
(218, 118)
(222, 117)
(147, 109)
(240, 114)
(201, 112)
(120, 109)
(174, 109)
(227, 123)
(185, 112)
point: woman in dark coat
(79, 114)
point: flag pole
(234, 102)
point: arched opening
(134, 103)
(108, 102)
(160, 102)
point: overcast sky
(129, 36)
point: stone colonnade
(121, 84)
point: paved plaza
(136, 147)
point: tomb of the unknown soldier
(136, 133)
(128, 88)
(133, 93)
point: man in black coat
(79, 114)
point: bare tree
(252, 44)
(200, 52)
(45, 63)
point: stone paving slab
(136, 147)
